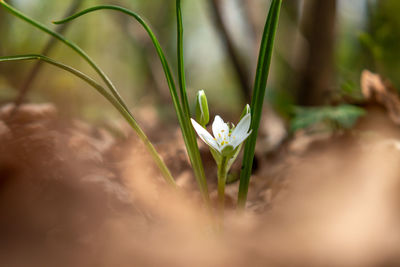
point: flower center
(224, 138)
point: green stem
(193, 149)
(181, 65)
(260, 83)
(76, 48)
(183, 117)
(128, 117)
(33, 74)
(107, 81)
(222, 173)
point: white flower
(224, 137)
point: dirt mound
(71, 195)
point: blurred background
(321, 49)
(71, 194)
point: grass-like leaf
(194, 155)
(128, 117)
(164, 62)
(34, 73)
(181, 66)
(107, 81)
(264, 61)
(69, 43)
(182, 112)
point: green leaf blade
(182, 112)
(69, 43)
(264, 61)
(128, 117)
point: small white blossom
(223, 135)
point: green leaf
(343, 116)
(128, 117)
(69, 43)
(191, 145)
(264, 61)
(182, 113)
(117, 99)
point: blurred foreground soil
(73, 195)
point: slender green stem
(264, 61)
(128, 117)
(72, 45)
(222, 174)
(164, 62)
(108, 82)
(181, 66)
(194, 150)
(187, 131)
(33, 74)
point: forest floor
(72, 194)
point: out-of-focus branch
(154, 74)
(318, 26)
(28, 82)
(155, 79)
(239, 67)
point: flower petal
(242, 128)
(204, 135)
(219, 127)
(235, 142)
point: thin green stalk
(72, 45)
(95, 67)
(264, 61)
(181, 66)
(128, 117)
(33, 74)
(222, 174)
(187, 131)
(195, 153)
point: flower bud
(202, 114)
(246, 111)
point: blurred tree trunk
(288, 46)
(318, 27)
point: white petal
(204, 135)
(219, 127)
(243, 127)
(235, 142)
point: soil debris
(374, 87)
(72, 195)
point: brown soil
(73, 195)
